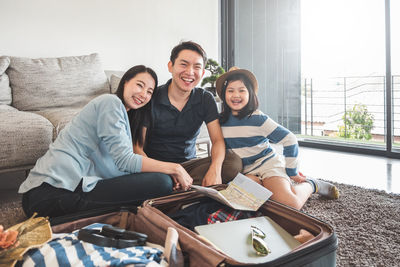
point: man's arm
(213, 175)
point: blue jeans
(125, 190)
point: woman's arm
(181, 178)
(112, 123)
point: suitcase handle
(110, 236)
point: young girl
(249, 132)
(92, 164)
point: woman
(91, 163)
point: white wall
(123, 32)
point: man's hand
(212, 177)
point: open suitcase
(152, 220)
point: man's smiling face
(187, 70)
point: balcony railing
(326, 101)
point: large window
(343, 69)
(323, 67)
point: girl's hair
(251, 106)
(141, 117)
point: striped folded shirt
(68, 250)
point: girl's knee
(290, 201)
(254, 178)
(282, 191)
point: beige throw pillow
(114, 82)
(56, 82)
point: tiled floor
(366, 171)
(362, 170)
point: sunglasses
(257, 239)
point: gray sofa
(38, 97)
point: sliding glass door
(322, 66)
(343, 69)
(395, 70)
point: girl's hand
(298, 178)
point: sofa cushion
(24, 138)
(7, 108)
(59, 117)
(114, 82)
(56, 82)
(5, 90)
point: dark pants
(130, 189)
(197, 168)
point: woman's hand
(182, 179)
(298, 178)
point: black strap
(112, 237)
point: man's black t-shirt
(172, 136)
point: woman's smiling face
(138, 91)
(236, 96)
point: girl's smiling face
(236, 96)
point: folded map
(241, 194)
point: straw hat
(32, 233)
(235, 70)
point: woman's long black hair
(251, 106)
(141, 117)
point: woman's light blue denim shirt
(96, 144)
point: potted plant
(215, 71)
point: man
(178, 111)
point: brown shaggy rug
(367, 223)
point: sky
(342, 38)
(347, 37)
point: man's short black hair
(189, 45)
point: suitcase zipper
(168, 199)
